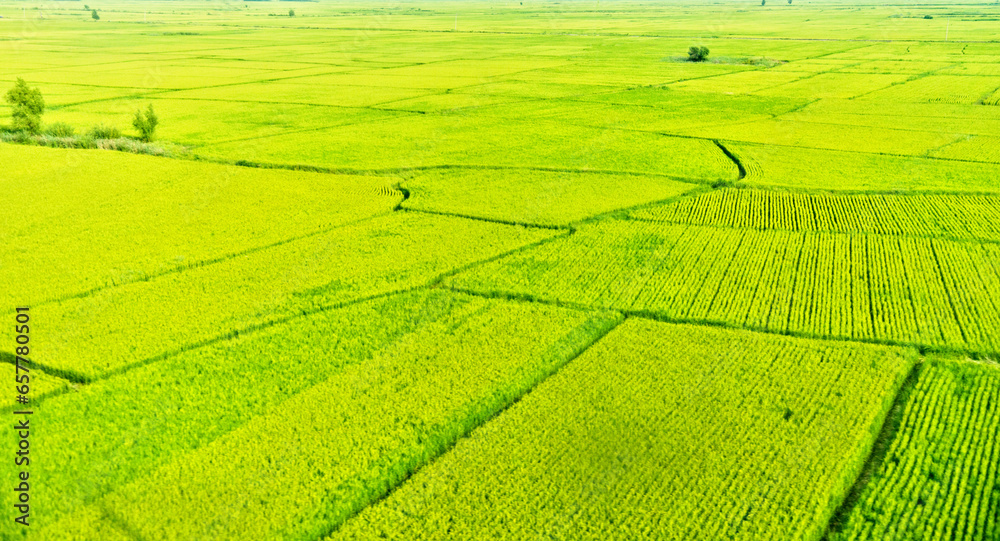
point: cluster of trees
(27, 106)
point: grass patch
(89, 141)
(734, 60)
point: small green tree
(94, 15)
(697, 54)
(763, 2)
(145, 123)
(26, 106)
(291, 13)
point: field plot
(75, 206)
(908, 67)
(407, 403)
(626, 74)
(474, 140)
(828, 136)
(198, 122)
(939, 477)
(520, 89)
(962, 217)
(163, 409)
(834, 85)
(315, 90)
(942, 117)
(482, 69)
(987, 68)
(950, 121)
(543, 197)
(812, 169)
(86, 337)
(613, 446)
(741, 82)
(449, 102)
(813, 66)
(940, 88)
(867, 287)
(652, 109)
(918, 111)
(982, 148)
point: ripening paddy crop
(324, 270)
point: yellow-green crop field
(433, 270)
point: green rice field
(457, 269)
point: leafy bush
(102, 131)
(94, 15)
(145, 123)
(60, 129)
(697, 54)
(26, 105)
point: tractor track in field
(729, 154)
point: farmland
(890, 289)
(949, 418)
(677, 391)
(958, 217)
(518, 270)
